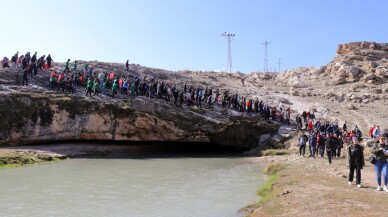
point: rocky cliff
(27, 118)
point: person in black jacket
(330, 144)
(49, 60)
(356, 161)
(340, 145)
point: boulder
(338, 81)
(286, 131)
(340, 98)
(373, 64)
(297, 83)
(366, 101)
(350, 106)
(353, 71)
(377, 90)
(295, 93)
(368, 77)
(264, 139)
(285, 101)
(329, 95)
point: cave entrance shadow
(136, 150)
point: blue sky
(185, 34)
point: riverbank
(20, 157)
(312, 187)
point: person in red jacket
(371, 130)
(310, 126)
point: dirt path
(311, 187)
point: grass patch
(265, 190)
(16, 161)
(273, 169)
(274, 152)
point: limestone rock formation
(32, 118)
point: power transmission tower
(229, 37)
(266, 43)
(279, 63)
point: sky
(186, 34)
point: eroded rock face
(27, 119)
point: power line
(279, 63)
(229, 37)
(266, 43)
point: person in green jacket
(86, 69)
(380, 151)
(103, 89)
(89, 87)
(95, 87)
(114, 88)
(67, 66)
(75, 67)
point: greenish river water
(163, 187)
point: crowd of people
(74, 79)
(321, 137)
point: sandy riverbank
(311, 187)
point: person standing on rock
(380, 151)
(49, 60)
(25, 77)
(127, 65)
(302, 144)
(356, 161)
(52, 80)
(67, 66)
(61, 82)
(70, 83)
(114, 89)
(14, 59)
(95, 86)
(89, 86)
(75, 67)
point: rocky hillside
(352, 87)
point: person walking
(380, 151)
(89, 86)
(67, 66)
(321, 140)
(329, 147)
(302, 143)
(356, 161)
(313, 144)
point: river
(163, 187)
